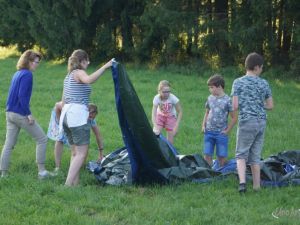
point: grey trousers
(14, 123)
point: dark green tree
(161, 31)
(14, 28)
(60, 26)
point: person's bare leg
(208, 159)
(73, 153)
(75, 165)
(170, 137)
(241, 169)
(76, 179)
(255, 169)
(157, 130)
(222, 161)
(58, 150)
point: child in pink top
(166, 111)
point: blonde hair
(76, 58)
(163, 83)
(27, 57)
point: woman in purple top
(18, 114)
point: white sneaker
(56, 171)
(4, 174)
(45, 174)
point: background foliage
(208, 32)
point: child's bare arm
(154, 110)
(204, 120)
(99, 140)
(235, 103)
(233, 116)
(269, 103)
(179, 116)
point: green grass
(26, 200)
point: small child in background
(60, 140)
(215, 122)
(166, 111)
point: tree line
(160, 31)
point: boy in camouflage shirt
(252, 96)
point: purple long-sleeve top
(20, 93)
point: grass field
(26, 200)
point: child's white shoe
(45, 174)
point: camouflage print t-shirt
(219, 107)
(252, 91)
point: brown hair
(163, 83)
(93, 108)
(216, 80)
(76, 58)
(253, 60)
(27, 57)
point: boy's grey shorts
(250, 138)
(78, 135)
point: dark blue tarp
(144, 151)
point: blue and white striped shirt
(75, 92)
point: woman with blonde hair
(18, 114)
(75, 113)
